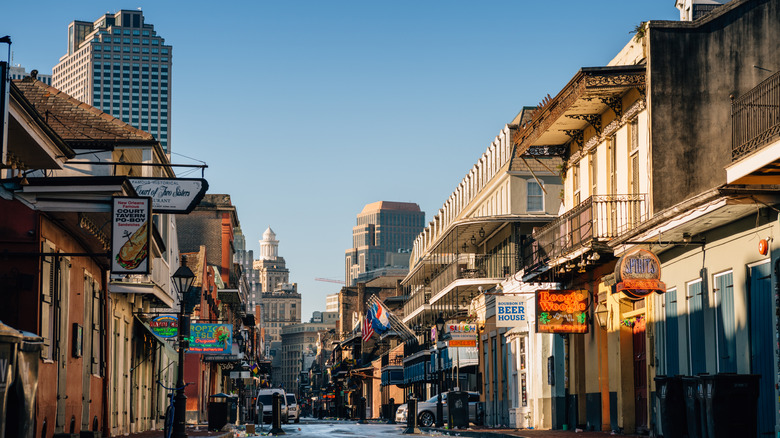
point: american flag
(368, 329)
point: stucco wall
(692, 71)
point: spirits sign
(638, 273)
(562, 311)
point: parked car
(265, 398)
(426, 410)
(293, 410)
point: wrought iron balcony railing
(598, 218)
(755, 118)
(475, 266)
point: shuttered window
(48, 284)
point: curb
(469, 433)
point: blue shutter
(724, 319)
(672, 334)
(696, 328)
(761, 347)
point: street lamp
(439, 407)
(602, 312)
(182, 279)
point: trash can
(694, 406)
(731, 404)
(9, 345)
(232, 408)
(27, 381)
(672, 406)
(458, 409)
(218, 411)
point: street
(321, 428)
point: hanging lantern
(763, 247)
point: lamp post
(439, 407)
(182, 279)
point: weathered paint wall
(693, 69)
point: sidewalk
(199, 431)
(484, 432)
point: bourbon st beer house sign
(638, 273)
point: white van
(293, 410)
(265, 398)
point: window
(535, 200)
(593, 173)
(725, 323)
(48, 294)
(575, 170)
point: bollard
(362, 409)
(392, 412)
(411, 417)
(259, 414)
(276, 415)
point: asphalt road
(337, 429)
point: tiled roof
(537, 167)
(80, 125)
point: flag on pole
(368, 330)
(381, 321)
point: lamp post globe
(181, 280)
(439, 406)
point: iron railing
(601, 217)
(755, 118)
(475, 266)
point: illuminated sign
(562, 311)
(510, 312)
(211, 338)
(638, 273)
(165, 326)
(462, 342)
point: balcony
(755, 118)
(597, 219)
(755, 135)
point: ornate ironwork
(598, 218)
(615, 104)
(593, 120)
(755, 118)
(576, 135)
(545, 151)
(616, 80)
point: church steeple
(269, 246)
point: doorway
(640, 374)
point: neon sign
(562, 311)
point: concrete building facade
(382, 240)
(119, 64)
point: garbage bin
(694, 406)
(218, 411)
(9, 345)
(27, 381)
(232, 408)
(458, 409)
(672, 410)
(731, 404)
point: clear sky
(305, 111)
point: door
(761, 348)
(62, 266)
(640, 375)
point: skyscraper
(281, 302)
(382, 240)
(120, 65)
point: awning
(167, 349)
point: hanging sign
(171, 195)
(165, 326)
(211, 338)
(638, 273)
(510, 312)
(131, 232)
(461, 335)
(562, 311)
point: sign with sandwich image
(131, 233)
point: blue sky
(305, 111)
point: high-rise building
(120, 65)
(382, 240)
(281, 301)
(332, 303)
(245, 258)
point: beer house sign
(638, 273)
